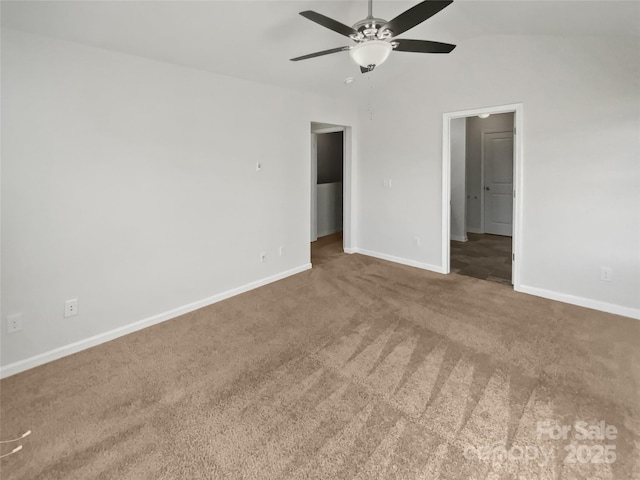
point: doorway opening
(330, 206)
(482, 168)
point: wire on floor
(19, 447)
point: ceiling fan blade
(422, 46)
(319, 54)
(415, 15)
(329, 23)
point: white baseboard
(474, 230)
(55, 354)
(350, 250)
(582, 301)
(459, 238)
(403, 261)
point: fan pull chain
(370, 103)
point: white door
(498, 183)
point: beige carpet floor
(356, 369)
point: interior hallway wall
(330, 187)
(330, 157)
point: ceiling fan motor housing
(370, 28)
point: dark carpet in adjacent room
(356, 369)
(483, 256)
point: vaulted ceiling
(255, 39)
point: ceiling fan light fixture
(484, 115)
(374, 37)
(371, 52)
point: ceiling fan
(375, 38)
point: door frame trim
(518, 175)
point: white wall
(329, 208)
(131, 185)
(581, 191)
(501, 122)
(458, 191)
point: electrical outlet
(71, 308)
(282, 250)
(417, 242)
(263, 257)
(14, 323)
(258, 166)
(606, 274)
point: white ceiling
(255, 39)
